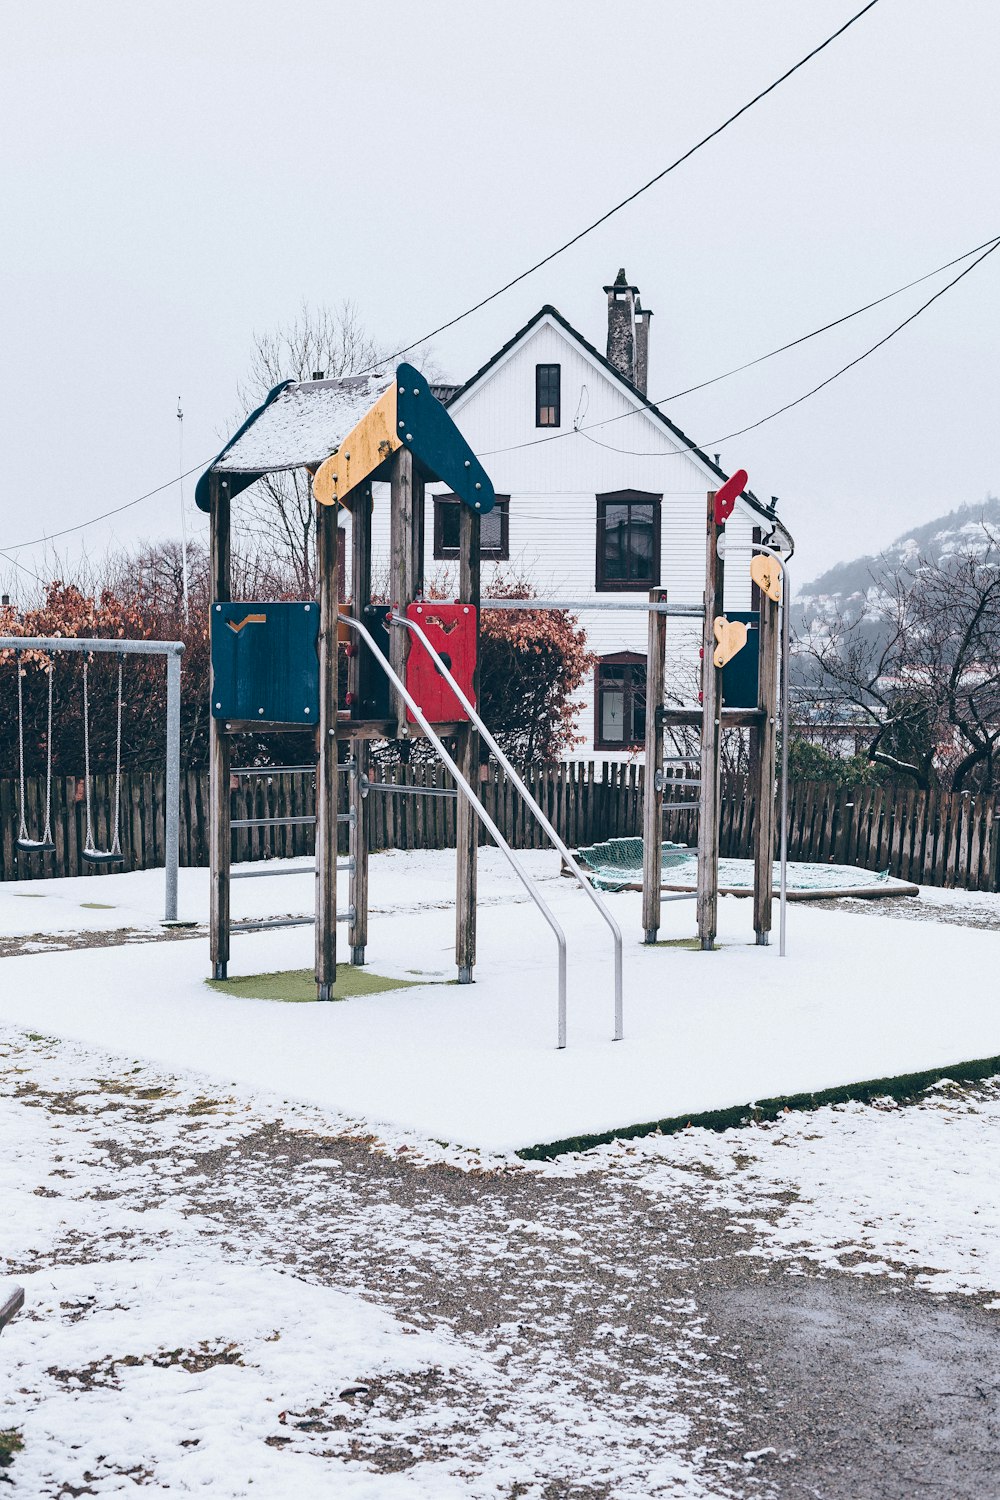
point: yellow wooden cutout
(247, 620)
(766, 574)
(364, 448)
(731, 636)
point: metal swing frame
(172, 651)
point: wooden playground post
(405, 561)
(361, 592)
(326, 770)
(711, 737)
(763, 743)
(467, 759)
(652, 807)
(219, 752)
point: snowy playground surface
(858, 997)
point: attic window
(494, 530)
(547, 382)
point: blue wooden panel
(265, 662)
(740, 674)
(430, 433)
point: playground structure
(412, 665)
(86, 647)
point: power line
(991, 245)
(737, 369)
(568, 244)
(15, 564)
(704, 447)
(82, 525)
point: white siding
(553, 509)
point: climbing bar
(683, 611)
(347, 817)
(269, 924)
(285, 770)
(346, 865)
(405, 791)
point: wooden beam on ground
(711, 738)
(360, 829)
(219, 836)
(763, 745)
(327, 771)
(467, 757)
(652, 807)
(10, 1305)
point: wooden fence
(934, 839)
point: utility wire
(545, 260)
(992, 244)
(82, 525)
(737, 369)
(707, 446)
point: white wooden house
(600, 498)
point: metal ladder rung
(348, 817)
(346, 865)
(270, 923)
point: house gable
(593, 392)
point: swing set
(92, 853)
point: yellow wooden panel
(362, 451)
(766, 574)
(731, 636)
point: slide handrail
(532, 804)
(477, 806)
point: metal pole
(90, 644)
(540, 817)
(173, 785)
(481, 812)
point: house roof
(654, 411)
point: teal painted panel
(265, 662)
(430, 433)
(741, 672)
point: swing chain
(89, 844)
(116, 845)
(22, 831)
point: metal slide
(532, 805)
(478, 808)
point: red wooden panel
(451, 630)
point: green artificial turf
(96, 906)
(299, 985)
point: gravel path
(626, 1344)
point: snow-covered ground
(858, 997)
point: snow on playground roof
(301, 422)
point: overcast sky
(177, 176)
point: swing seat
(102, 857)
(35, 846)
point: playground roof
(300, 423)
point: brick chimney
(642, 317)
(621, 325)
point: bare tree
(279, 510)
(920, 666)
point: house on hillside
(600, 498)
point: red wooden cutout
(451, 630)
(725, 498)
